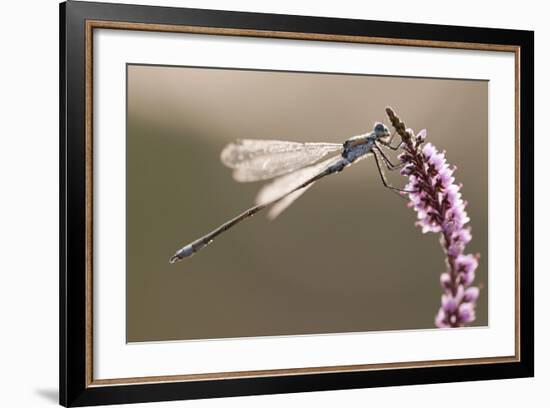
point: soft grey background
(345, 257)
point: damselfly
(294, 168)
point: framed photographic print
(221, 234)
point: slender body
(290, 164)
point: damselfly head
(380, 130)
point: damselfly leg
(387, 161)
(385, 182)
(389, 146)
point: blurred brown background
(344, 257)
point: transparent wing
(282, 205)
(282, 185)
(254, 160)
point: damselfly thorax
(294, 168)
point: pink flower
(439, 208)
(471, 294)
(466, 313)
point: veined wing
(282, 205)
(254, 160)
(282, 185)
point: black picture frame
(76, 389)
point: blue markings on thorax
(363, 145)
(354, 148)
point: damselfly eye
(380, 130)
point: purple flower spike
(441, 319)
(428, 150)
(448, 303)
(466, 263)
(471, 294)
(421, 136)
(439, 207)
(466, 313)
(445, 280)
